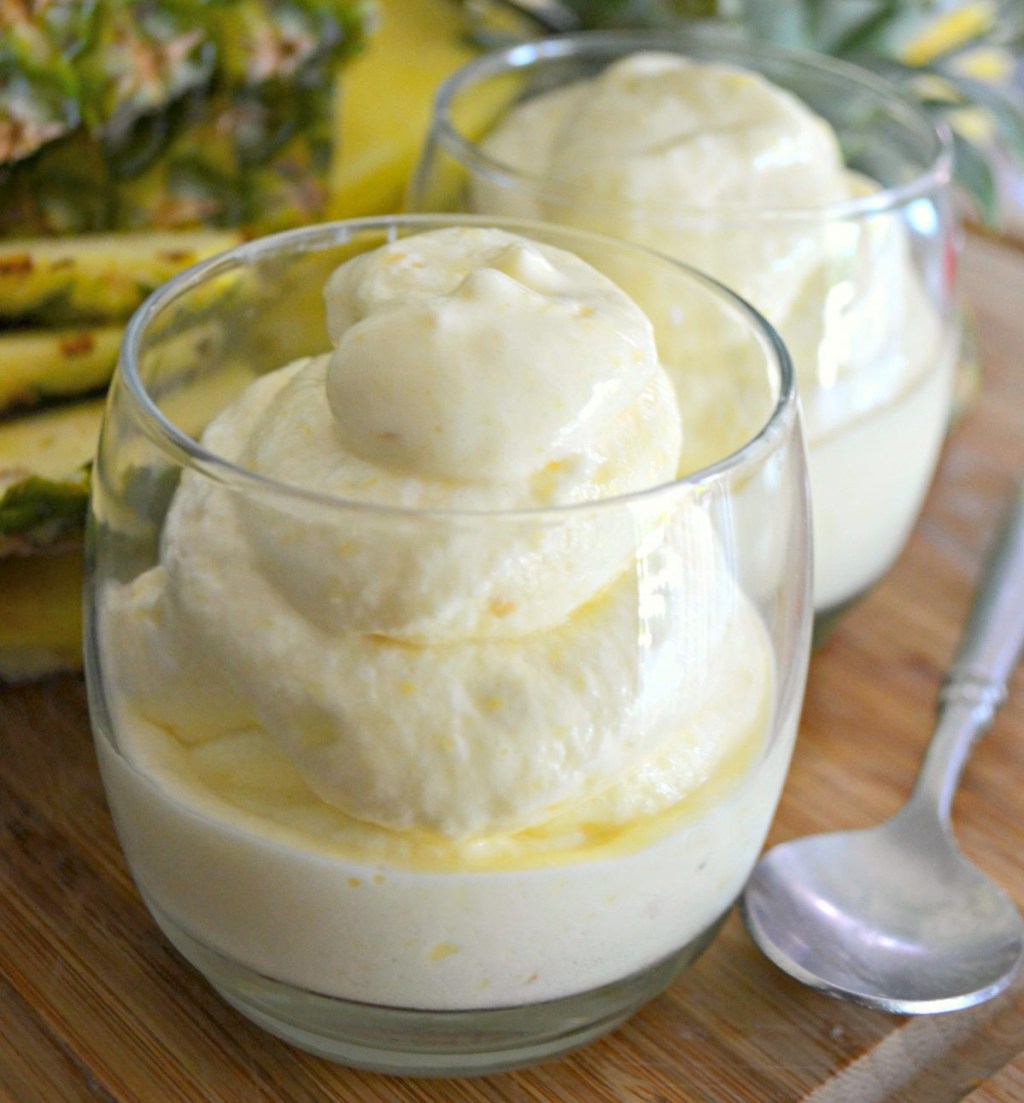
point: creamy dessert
(721, 168)
(437, 711)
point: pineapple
(165, 113)
(41, 626)
(386, 100)
(41, 515)
(95, 277)
(37, 365)
(52, 443)
(65, 63)
(136, 137)
(169, 117)
(44, 480)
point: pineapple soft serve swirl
(681, 156)
(454, 679)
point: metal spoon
(895, 917)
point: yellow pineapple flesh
(41, 626)
(38, 365)
(91, 277)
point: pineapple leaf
(946, 93)
(694, 9)
(1007, 117)
(786, 24)
(975, 175)
(859, 38)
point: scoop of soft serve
(470, 356)
(653, 144)
(472, 371)
(456, 660)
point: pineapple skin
(42, 515)
(168, 113)
(254, 159)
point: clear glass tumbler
(615, 730)
(860, 285)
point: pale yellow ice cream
(657, 133)
(686, 156)
(458, 678)
(458, 738)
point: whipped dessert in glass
(812, 189)
(442, 703)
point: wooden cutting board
(95, 1006)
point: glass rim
(609, 44)
(189, 454)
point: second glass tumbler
(812, 188)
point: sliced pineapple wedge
(41, 626)
(96, 277)
(51, 443)
(38, 365)
(44, 479)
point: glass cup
(861, 287)
(613, 733)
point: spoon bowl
(895, 917)
(903, 920)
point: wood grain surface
(95, 1006)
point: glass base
(428, 1043)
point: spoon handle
(975, 685)
(994, 634)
